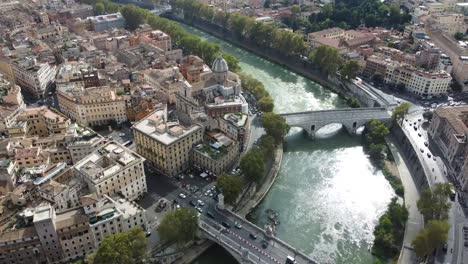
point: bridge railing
(370, 109)
(279, 241)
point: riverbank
(303, 68)
(247, 205)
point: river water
(328, 194)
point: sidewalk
(415, 220)
(270, 178)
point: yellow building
(165, 144)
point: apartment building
(92, 106)
(167, 81)
(79, 74)
(449, 130)
(218, 155)
(235, 126)
(156, 38)
(449, 23)
(428, 84)
(166, 144)
(105, 22)
(12, 104)
(113, 169)
(429, 55)
(52, 237)
(38, 121)
(35, 78)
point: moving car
(252, 236)
(237, 225)
(210, 215)
(225, 224)
(290, 260)
(148, 233)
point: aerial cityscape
(229, 131)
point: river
(328, 194)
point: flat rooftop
(156, 127)
(107, 161)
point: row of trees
(245, 28)
(434, 205)
(390, 230)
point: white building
(114, 169)
(429, 83)
(36, 78)
(104, 22)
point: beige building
(11, 105)
(165, 144)
(449, 23)
(113, 169)
(39, 121)
(235, 126)
(449, 130)
(92, 106)
(35, 78)
(167, 81)
(218, 155)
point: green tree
(455, 86)
(350, 69)
(267, 4)
(435, 204)
(327, 58)
(252, 165)
(400, 112)
(265, 104)
(126, 247)
(459, 36)
(376, 131)
(233, 62)
(133, 15)
(231, 187)
(275, 126)
(267, 146)
(354, 103)
(179, 226)
(99, 9)
(376, 151)
(430, 238)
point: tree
(435, 204)
(252, 165)
(267, 146)
(459, 36)
(376, 131)
(179, 226)
(267, 4)
(275, 126)
(133, 15)
(376, 151)
(428, 115)
(455, 86)
(354, 103)
(265, 104)
(99, 9)
(126, 247)
(430, 238)
(400, 112)
(350, 70)
(233, 62)
(231, 186)
(327, 57)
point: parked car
(422, 150)
(193, 203)
(182, 195)
(426, 144)
(225, 224)
(237, 225)
(210, 215)
(252, 236)
(429, 155)
(200, 203)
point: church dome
(219, 65)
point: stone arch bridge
(351, 118)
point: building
(51, 237)
(217, 156)
(113, 169)
(449, 23)
(35, 78)
(429, 84)
(92, 106)
(79, 74)
(105, 22)
(235, 126)
(166, 145)
(11, 105)
(38, 121)
(449, 130)
(167, 81)
(341, 39)
(428, 56)
(156, 38)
